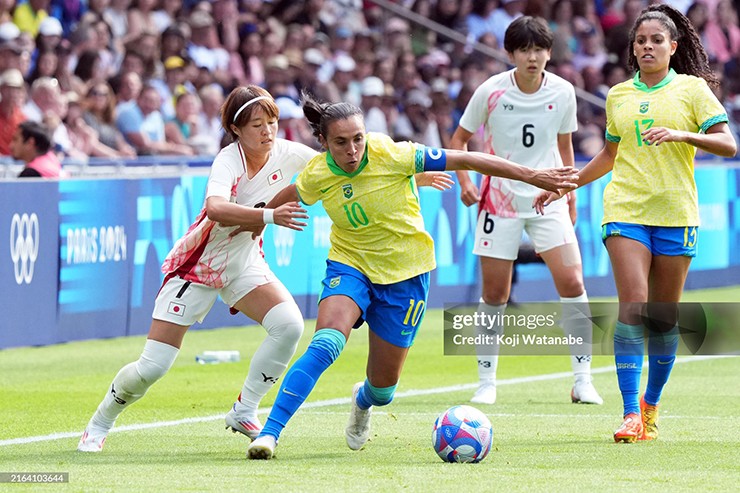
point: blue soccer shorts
(660, 240)
(393, 311)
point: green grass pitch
(174, 438)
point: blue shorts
(679, 241)
(393, 311)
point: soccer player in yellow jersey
(380, 256)
(655, 123)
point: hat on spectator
(51, 26)
(200, 19)
(435, 58)
(288, 108)
(418, 97)
(372, 86)
(320, 37)
(8, 31)
(12, 46)
(312, 56)
(344, 63)
(12, 77)
(174, 62)
(277, 62)
(295, 58)
(396, 25)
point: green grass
(541, 441)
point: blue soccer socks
(301, 378)
(629, 350)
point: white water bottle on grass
(215, 357)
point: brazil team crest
(348, 192)
(644, 107)
(334, 282)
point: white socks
(576, 322)
(284, 326)
(488, 358)
(132, 382)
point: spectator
(81, 135)
(416, 123)
(28, 15)
(183, 128)
(47, 63)
(480, 20)
(373, 89)
(143, 127)
(205, 49)
(140, 20)
(169, 11)
(723, 34)
(6, 11)
(174, 41)
(128, 90)
(209, 120)
(174, 84)
(99, 113)
(48, 105)
(344, 78)
(89, 68)
(250, 48)
(12, 55)
(508, 11)
(292, 124)
(12, 94)
(32, 144)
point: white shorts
(499, 237)
(184, 302)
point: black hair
(527, 31)
(40, 133)
(235, 102)
(320, 114)
(690, 57)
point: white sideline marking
(334, 402)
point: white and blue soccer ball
(462, 434)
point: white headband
(254, 100)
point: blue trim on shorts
(393, 311)
(681, 241)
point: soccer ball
(462, 434)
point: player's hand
(469, 193)
(435, 179)
(556, 179)
(289, 215)
(544, 199)
(658, 135)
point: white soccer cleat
(583, 392)
(486, 394)
(250, 427)
(262, 448)
(357, 432)
(92, 440)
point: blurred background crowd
(127, 78)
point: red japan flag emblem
(177, 309)
(551, 107)
(486, 243)
(275, 177)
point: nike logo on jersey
(406, 332)
(324, 190)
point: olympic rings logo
(24, 245)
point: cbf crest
(644, 106)
(347, 190)
(334, 282)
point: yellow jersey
(377, 226)
(654, 185)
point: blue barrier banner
(29, 263)
(94, 248)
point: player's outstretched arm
(600, 164)
(548, 179)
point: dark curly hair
(690, 57)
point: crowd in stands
(126, 78)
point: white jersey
(207, 254)
(523, 128)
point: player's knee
(155, 361)
(327, 344)
(284, 322)
(379, 396)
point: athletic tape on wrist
(267, 216)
